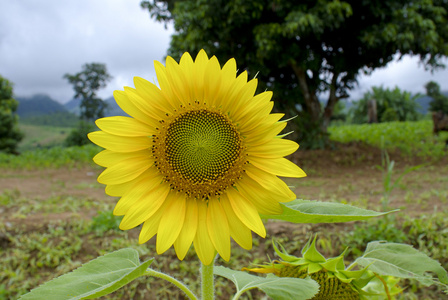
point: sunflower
(198, 160)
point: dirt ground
(347, 174)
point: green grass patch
(34, 256)
(55, 157)
(411, 138)
(41, 136)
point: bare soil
(348, 174)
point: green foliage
(301, 49)
(273, 286)
(305, 211)
(105, 221)
(86, 83)
(10, 135)
(402, 261)
(411, 138)
(96, 278)
(60, 119)
(439, 101)
(37, 136)
(392, 105)
(78, 136)
(55, 157)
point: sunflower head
(335, 281)
(199, 158)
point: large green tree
(86, 84)
(439, 101)
(10, 135)
(304, 50)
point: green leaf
(278, 288)
(305, 211)
(96, 278)
(402, 261)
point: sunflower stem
(207, 282)
(174, 281)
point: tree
(86, 84)
(307, 49)
(391, 105)
(439, 101)
(10, 134)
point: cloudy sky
(40, 41)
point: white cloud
(40, 41)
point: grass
(411, 138)
(40, 136)
(55, 157)
(36, 254)
(36, 245)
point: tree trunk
(311, 101)
(329, 108)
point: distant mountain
(36, 105)
(112, 107)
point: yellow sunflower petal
(246, 212)
(107, 158)
(271, 183)
(237, 85)
(172, 222)
(187, 65)
(274, 148)
(124, 126)
(143, 208)
(228, 75)
(145, 182)
(278, 166)
(263, 200)
(152, 113)
(177, 80)
(200, 64)
(118, 190)
(212, 81)
(218, 228)
(202, 243)
(150, 227)
(263, 136)
(244, 96)
(239, 232)
(263, 121)
(125, 170)
(255, 107)
(123, 100)
(120, 143)
(151, 98)
(188, 232)
(165, 85)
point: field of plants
(54, 216)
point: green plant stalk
(174, 281)
(207, 282)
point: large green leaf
(305, 211)
(96, 278)
(277, 288)
(402, 261)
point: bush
(78, 136)
(392, 105)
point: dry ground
(349, 174)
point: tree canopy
(304, 50)
(86, 84)
(439, 101)
(392, 105)
(10, 134)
